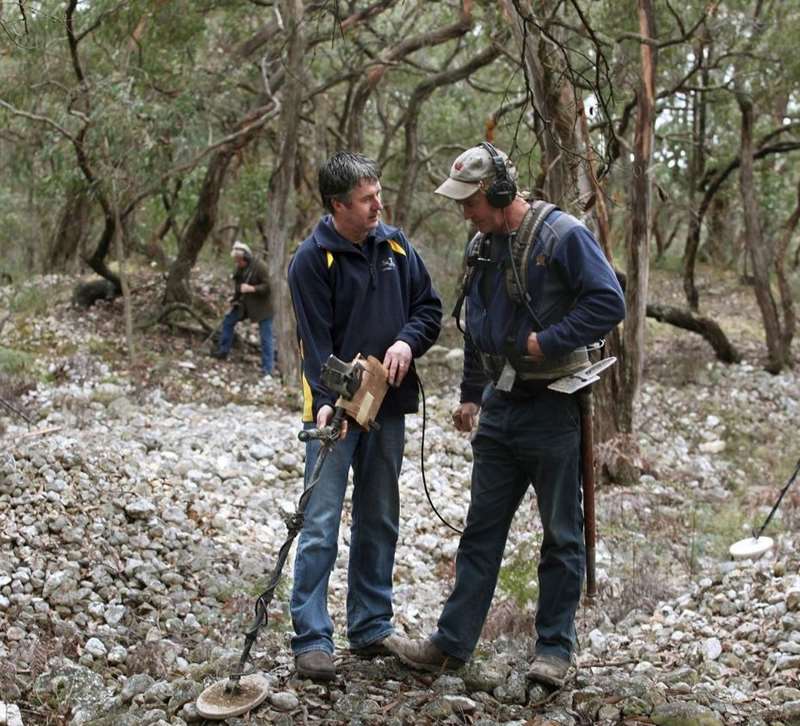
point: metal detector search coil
(753, 547)
(361, 386)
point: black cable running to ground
(422, 461)
(774, 507)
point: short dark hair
(343, 172)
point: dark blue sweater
(351, 299)
(590, 303)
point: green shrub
(30, 301)
(15, 362)
(518, 580)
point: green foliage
(518, 580)
(166, 81)
(15, 362)
(29, 302)
(713, 531)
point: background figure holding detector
(252, 299)
(358, 287)
(537, 291)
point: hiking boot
(377, 648)
(422, 655)
(218, 354)
(549, 669)
(316, 665)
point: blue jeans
(376, 458)
(519, 442)
(229, 324)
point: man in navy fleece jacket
(527, 433)
(358, 286)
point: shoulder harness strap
(470, 256)
(552, 234)
(522, 244)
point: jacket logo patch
(541, 260)
(387, 264)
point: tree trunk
(719, 245)
(98, 259)
(280, 213)
(784, 286)
(553, 97)
(422, 93)
(754, 240)
(638, 243)
(70, 234)
(177, 287)
(697, 163)
(205, 215)
(126, 291)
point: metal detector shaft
(587, 475)
(778, 503)
(15, 410)
(328, 436)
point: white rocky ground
(137, 523)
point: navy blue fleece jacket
(351, 299)
(590, 303)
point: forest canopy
(173, 127)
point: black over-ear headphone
(501, 192)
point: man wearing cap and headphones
(252, 299)
(537, 291)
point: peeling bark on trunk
(280, 212)
(555, 99)
(756, 248)
(638, 243)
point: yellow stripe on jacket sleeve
(397, 247)
(308, 400)
(308, 396)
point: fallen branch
(40, 432)
(688, 320)
(15, 410)
(708, 328)
(174, 307)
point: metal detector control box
(361, 384)
(581, 379)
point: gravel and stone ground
(142, 510)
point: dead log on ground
(708, 328)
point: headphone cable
(422, 461)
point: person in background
(252, 299)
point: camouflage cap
(472, 170)
(240, 249)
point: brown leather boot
(422, 655)
(316, 665)
(549, 669)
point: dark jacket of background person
(255, 305)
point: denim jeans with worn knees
(375, 457)
(519, 442)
